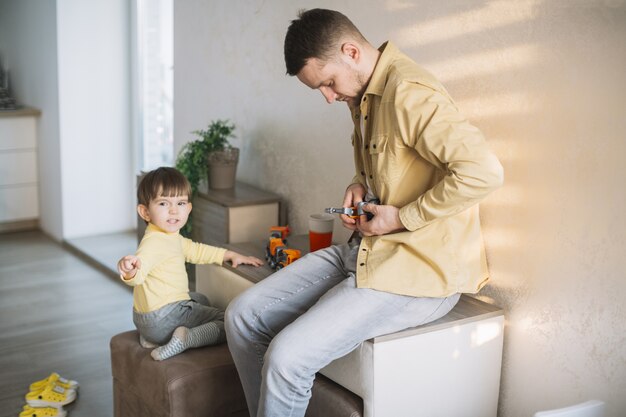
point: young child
(164, 311)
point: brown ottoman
(199, 382)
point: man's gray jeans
(287, 327)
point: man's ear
(143, 212)
(351, 50)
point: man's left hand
(386, 220)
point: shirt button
(364, 250)
(365, 117)
(362, 264)
(371, 177)
(362, 173)
(367, 146)
(374, 146)
(365, 98)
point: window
(154, 89)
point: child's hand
(128, 266)
(239, 259)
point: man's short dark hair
(162, 182)
(316, 34)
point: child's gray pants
(157, 326)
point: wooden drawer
(241, 214)
(19, 203)
(18, 167)
(18, 133)
(215, 224)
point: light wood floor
(57, 313)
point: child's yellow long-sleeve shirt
(162, 278)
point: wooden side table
(241, 214)
(449, 367)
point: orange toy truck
(277, 253)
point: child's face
(167, 213)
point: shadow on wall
(315, 186)
(544, 81)
(540, 79)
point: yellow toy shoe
(51, 396)
(42, 412)
(57, 380)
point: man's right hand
(355, 193)
(128, 266)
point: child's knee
(199, 298)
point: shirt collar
(379, 76)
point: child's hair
(163, 181)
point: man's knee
(286, 365)
(284, 360)
(238, 313)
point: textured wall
(543, 79)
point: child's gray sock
(184, 338)
(206, 334)
(176, 345)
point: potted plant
(211, 156)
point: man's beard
(360, 80)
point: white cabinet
(19, 192)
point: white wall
(28, 45)
(70, 59)
(229, 64)
(94, 73)
(543, 79)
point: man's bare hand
(355, 193)
(386, 220)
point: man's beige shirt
(420, 154)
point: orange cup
(320, 231)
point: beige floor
(57, 313)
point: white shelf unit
(19, 183)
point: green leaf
(192, 158)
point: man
(426, 165)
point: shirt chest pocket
(383, 158)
